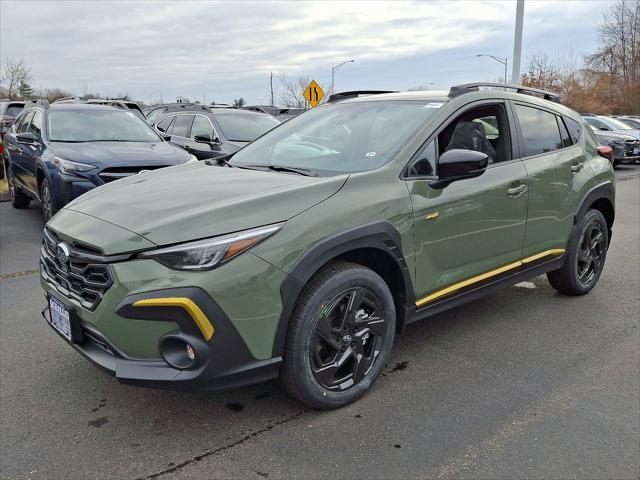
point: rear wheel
(585, 256)
(19, 199)
(340, 336)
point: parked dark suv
(56, 153)
(213, 132)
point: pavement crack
(5, 276)
(249, 436)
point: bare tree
(292, 91)
(14, 73)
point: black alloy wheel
(591, 252)
(46, 201)
(347, 338)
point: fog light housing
(178, 353)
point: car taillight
(606, 152)
(1, 149)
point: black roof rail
(458, 90)
(336, 97)
(37, 102)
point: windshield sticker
(433, 105)
(370, 154)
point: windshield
(14, 109)
(245, 127)
(99, 126)
(347, 137)
(615, 124)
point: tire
(19, 199)
(585, 256)
(47, 204)
(309, 371)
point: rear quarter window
(575, 129)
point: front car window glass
(597, 124)
(23, 126)
(564, 134)
(575, 129)
(424, 164)
(98, 125)
(340, 137)
(201, 126)
(36, 125)
(631, 122)
(245, 126)
(163, 125)
(615, 124)
(540, 131)
(181, 125)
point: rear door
(556, 168)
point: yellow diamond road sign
(313, 93)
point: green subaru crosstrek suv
(301, 256)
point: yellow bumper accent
(484, 276)
(188, 305)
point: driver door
(470, 230)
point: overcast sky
(221, 51)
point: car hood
(611, 136)
(196, 200)
(631, 133)
(102, 154)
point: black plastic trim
(603, 191)
(481, 289)
(380, 235)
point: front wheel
(47, 205)
(340, 336)
(585, 256)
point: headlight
(67, 166)
(211, 252)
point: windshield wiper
(69, 141)
(301, 171)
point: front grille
(82, 277)
(630, 146)
(114, 173)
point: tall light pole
(333, 72)
(503, 61)
(517, 43)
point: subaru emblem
(62, 252)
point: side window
(181, 125)
(575, 129)
(164, 124)
(594, 122)
(201, 126)
(23, 126)
(483, 129)
(36, 125)
(564, 134)
(424, 165)
(539, 131)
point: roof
(82, 106)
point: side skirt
(480, 290)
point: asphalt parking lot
(522, 383)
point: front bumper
(222, 363)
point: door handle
(577, 167)
(514, 191)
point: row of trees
(608, 81)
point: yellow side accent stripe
(432, 216)
(484, 276)
(188, 305)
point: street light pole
(333, 72)
(503, 61)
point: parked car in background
(155, 113)
(314, 245)
(56, 153)
(609, 124)
(626, 149)
(9, 109)
(633, 122)
(282, 114)
(213, 132)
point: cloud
(226, 50)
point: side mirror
(459, 164)
(206, 138)
(27, 137)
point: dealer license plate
(60, 317)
